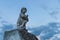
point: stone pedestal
(19, 35)
(12, 35)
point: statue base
(19, 35)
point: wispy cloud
(46, 31)
(55, 37)
(5, 26)
(54, 14)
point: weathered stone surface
(27, 36)
(12, 35)
(19, 35)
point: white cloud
(55, 37)
(38, 37)
(43, 33)
(54, 14)
(29, 31)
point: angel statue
(23, 19)
(21, 32)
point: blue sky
(40, 11)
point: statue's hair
(24, 9)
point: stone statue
(23, 19)
(21, 32)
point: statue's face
(23, 10)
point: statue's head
(23, 10)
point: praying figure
(22, 20)
(21, 32)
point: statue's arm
(24, 17)
(27, 18)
